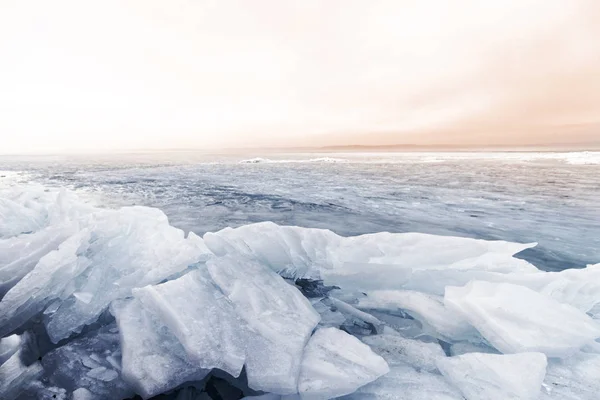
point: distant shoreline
(445, 148)
(400, 148)
(553, 148)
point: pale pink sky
(125, 74)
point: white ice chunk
(305, 252)
(89, 362)
(103, 374)
(413, 371)
(81, 258)
(437, 319)
(82, 394)
(15, 218)
(15, 376)
(577, 287)
(44, 283)
(31, 208)
(279, 317)
(207, 326)
(396, 349)
(516, 319)
(114, 362)
(457, 349)
(130, 247)
(573, 378)
(153, 360)
(352, 311)
(20, 254)
(496, 376)
(84, 296)
(335, 364)
(9, 346)
(291, 251)
(404, 382)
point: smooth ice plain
(105, 301)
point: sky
(149, 74)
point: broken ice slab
(496, 376)
(204, 321)
(437, 319)
(153, 360)
(335, 363)
(572, 378)
(404, 382)
(16, 372)
(396, 349)
(306, 252)
(516, 319)
(280, 321)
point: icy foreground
(113, 304)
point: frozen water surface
(300, 276)
(548, 198)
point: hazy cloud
(136, 73)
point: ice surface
(19, 255)
(496, 376)
(353, 313)
(248, 314)
(335, 363)
(15, 372)
(9, 346)
(413, 371)
(260, 160)
(368, 259)
(396, 349)
(201, 318)
(287, 250)
(153, 359)
(191, 312)
(129, 248)
(460, 348)
(438, 320)
(44, 283)
(82, 394)
(577, 287)
(111, 252)
(404, 382)
(32, 208)
(573, 378)
(522, 197)
(279, 317)
(516, 319)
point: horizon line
(552, 147)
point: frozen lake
(549, 198)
